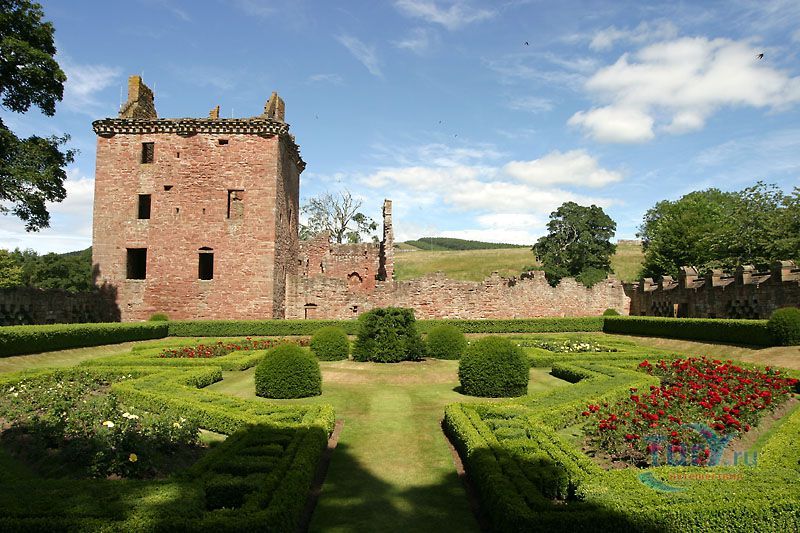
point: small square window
(144, 206)
(136, 264)
(235, 204)
(148, 152)
(222, 142)
(167, 187)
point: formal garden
(599, 423)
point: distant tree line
(71, 271)
(448, 243)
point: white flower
(16, 394)
(108, 424)
(176, 425)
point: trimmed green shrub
(17, 340)
(330, 344)
(288, 372)
(243, 328)
(784, 326)
(446, 342)
(494, 367)
(752, 332)
(158, 317)
(610, 312)
(388, 335)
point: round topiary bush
(784, 326)
(494, 367)
(158, 317)
(288, 371)
(446, 342)
(610, 312)
(388, 335)
(330, 344)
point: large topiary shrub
(784, 326)
(494, 367)
(388, 335)
(611, 312)
(288, 371)
(330, 344)
(446, 342)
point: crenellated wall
(744, 294)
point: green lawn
(392, 469)
(476, 265)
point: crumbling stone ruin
(198, 218)
(744, 294)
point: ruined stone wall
(287, 245)
(356, 264)
(436, 296)
(25, 305)
(745, 294)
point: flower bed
(220, 348)
(571, 346)
(699, 407)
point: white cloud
(575, 167)
(257, 8)
(334, 79)
(418, 41)
(84, 83)
(677, 85)
(532, 104)
(615, 124)
(644, 32)
(362, 52)
(457, 15)
(503, 235)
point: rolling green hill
(477, 264)
(447, 243)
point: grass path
(59, 358)
(392, 469)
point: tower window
(144, 206)
(136, 264)
(235, 203)
(222, 142)
(148, 151)
(205, 264)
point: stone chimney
(785, 271)
(140, 104)
(688, 275)
(386, 268)
(744, 274)
(275, 108)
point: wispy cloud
(418, 41)
(362, 52)
(257, 8)
(643, 33)
(334, 79)
(84, 85)
(457, 15)
(674, 86)
(531, 104)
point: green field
(477, 265)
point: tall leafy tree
(338, 214)
(715, 229)
(31, 170)
(10, 271)
(577, 244)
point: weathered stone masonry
(198, 218)
(745, 294)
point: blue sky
(476, 118)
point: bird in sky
(526, 43)
(760, 56)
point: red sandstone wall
(189, 216)
(436, 296)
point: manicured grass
(476, 265)
(392, 469)
(62, 358)
(468, 265)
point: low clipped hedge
(784, 326)
(753, 332)
(494, 367)
(330, 344)
(446, 342)
(240, 328)
(19, 340)
(388, 335)
(288, 371)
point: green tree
(338, 214)
(577, 244)
(715, 229)
(10, 271)
(70, 271)
(32, 169)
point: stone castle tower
(196, 217)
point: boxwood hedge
(494, 367)
(752, 332)
(288, 371)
